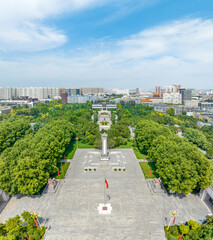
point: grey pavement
(137, 213)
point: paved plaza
(137, 212)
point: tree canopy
(26, 166)
(11, 131)
(181, 166)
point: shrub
(209, 220)
(184, 229)
(124, 169)
(174, 230)
(90, 169)
(115, 169)
(193, 225)
(119, 169)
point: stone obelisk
(104, 155)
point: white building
(81, 99)
(118, 91)
(174, 98)
(172, 89)
(30, 92)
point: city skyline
(109, 44)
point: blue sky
(108, 43)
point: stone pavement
(137, 213)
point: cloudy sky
(106, 43)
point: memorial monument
(105, 154)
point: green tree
(197, 137)
(181, 166)
(170, 111)
(184, 229)
(146, 131)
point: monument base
(105, 157)
(105, 209)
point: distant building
(206, 105)
(172, 89)
(81, 99)
(5, 110)
(185, 94)
(191, 103)
(104, 106)
(72, 91)
(118, 91)
(154, 99)
(64, 97)
(30, 92)
(92, 91)
(137, 91)
(158, 90)
(174, 98)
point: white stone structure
(4, 196)
(104, 208)
(104, 155)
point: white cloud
(21, 25)
(180, 52)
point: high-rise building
(137, 91)
(158, 90)
(172, 89)
(31, 92)
(186, 94)
(64, 97)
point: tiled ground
(137, 213)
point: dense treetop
(27, 165)
(11, 131)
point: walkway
(71, 213)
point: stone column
(104, 144)
(104, 155)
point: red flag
(181, 237)
(61, 165)
(58, 172)
(147, 164)
(174, 221)
(36, 223)
(28, 238)
(107, 185)
(150, 171)
(65, 159)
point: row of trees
(21, 227)
(197, 137)
(181, 166)
(192, 230)
(26, 166)
(11, 131)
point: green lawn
(138, 154)
(70, 151)
(62, 172)
(128, 145)
(146, 170)
(84, 145)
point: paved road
(137, 213)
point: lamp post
(173, 216)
